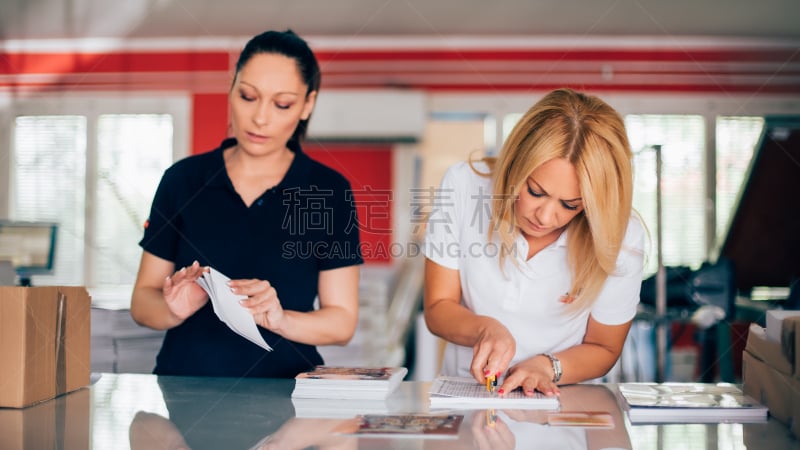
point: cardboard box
(774, 319)
(769, 376)
(760, 346)
(790, 342)
(769, 387)
(60, 423)
(44, 343)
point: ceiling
(355, 19)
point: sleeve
(344, 243)
(162, 225)
(619, 297)
(442, 234)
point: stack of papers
(335, 408)
(228, 309)
(689, 403)
(362, 383)
(466, 393)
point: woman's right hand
(493, 350)
(490, 432)
(181, 292)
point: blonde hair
(591, 135)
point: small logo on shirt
(146, 224)
(567, 298)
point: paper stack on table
(689, 403)
(352, 383)
(227, 308)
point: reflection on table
(127, 411)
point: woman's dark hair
(288, 44)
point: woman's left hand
(262, 302)
(534, 374)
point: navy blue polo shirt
(305, 224)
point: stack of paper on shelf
(359, 383)
(771, 367)
(689, 403)
(466, 393)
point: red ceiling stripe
(464, 87)
(190, 61)
(610, 87)
(739, 55)
(674, 70)
(22, 63)
(615, 70)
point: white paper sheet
(227, 308)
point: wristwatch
(556, 367)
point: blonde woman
(534, 258)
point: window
(509, 122)
(736, 141)
(48, 184)
(93, 167)
(682, 141)
(133, 152)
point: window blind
(49, 181)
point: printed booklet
(689, 403)
(466, 393)
(437, 426)
(581, 419)
(361, 383)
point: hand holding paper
(262, 302)
(183, 296)
(227, 308)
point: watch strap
(556, 367)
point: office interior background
(98, 98)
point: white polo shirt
(524, 297)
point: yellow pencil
(491, 418)
(491, 383)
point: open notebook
(466, 393)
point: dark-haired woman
(257, 209)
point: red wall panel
(209, 121)
(369, 170)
